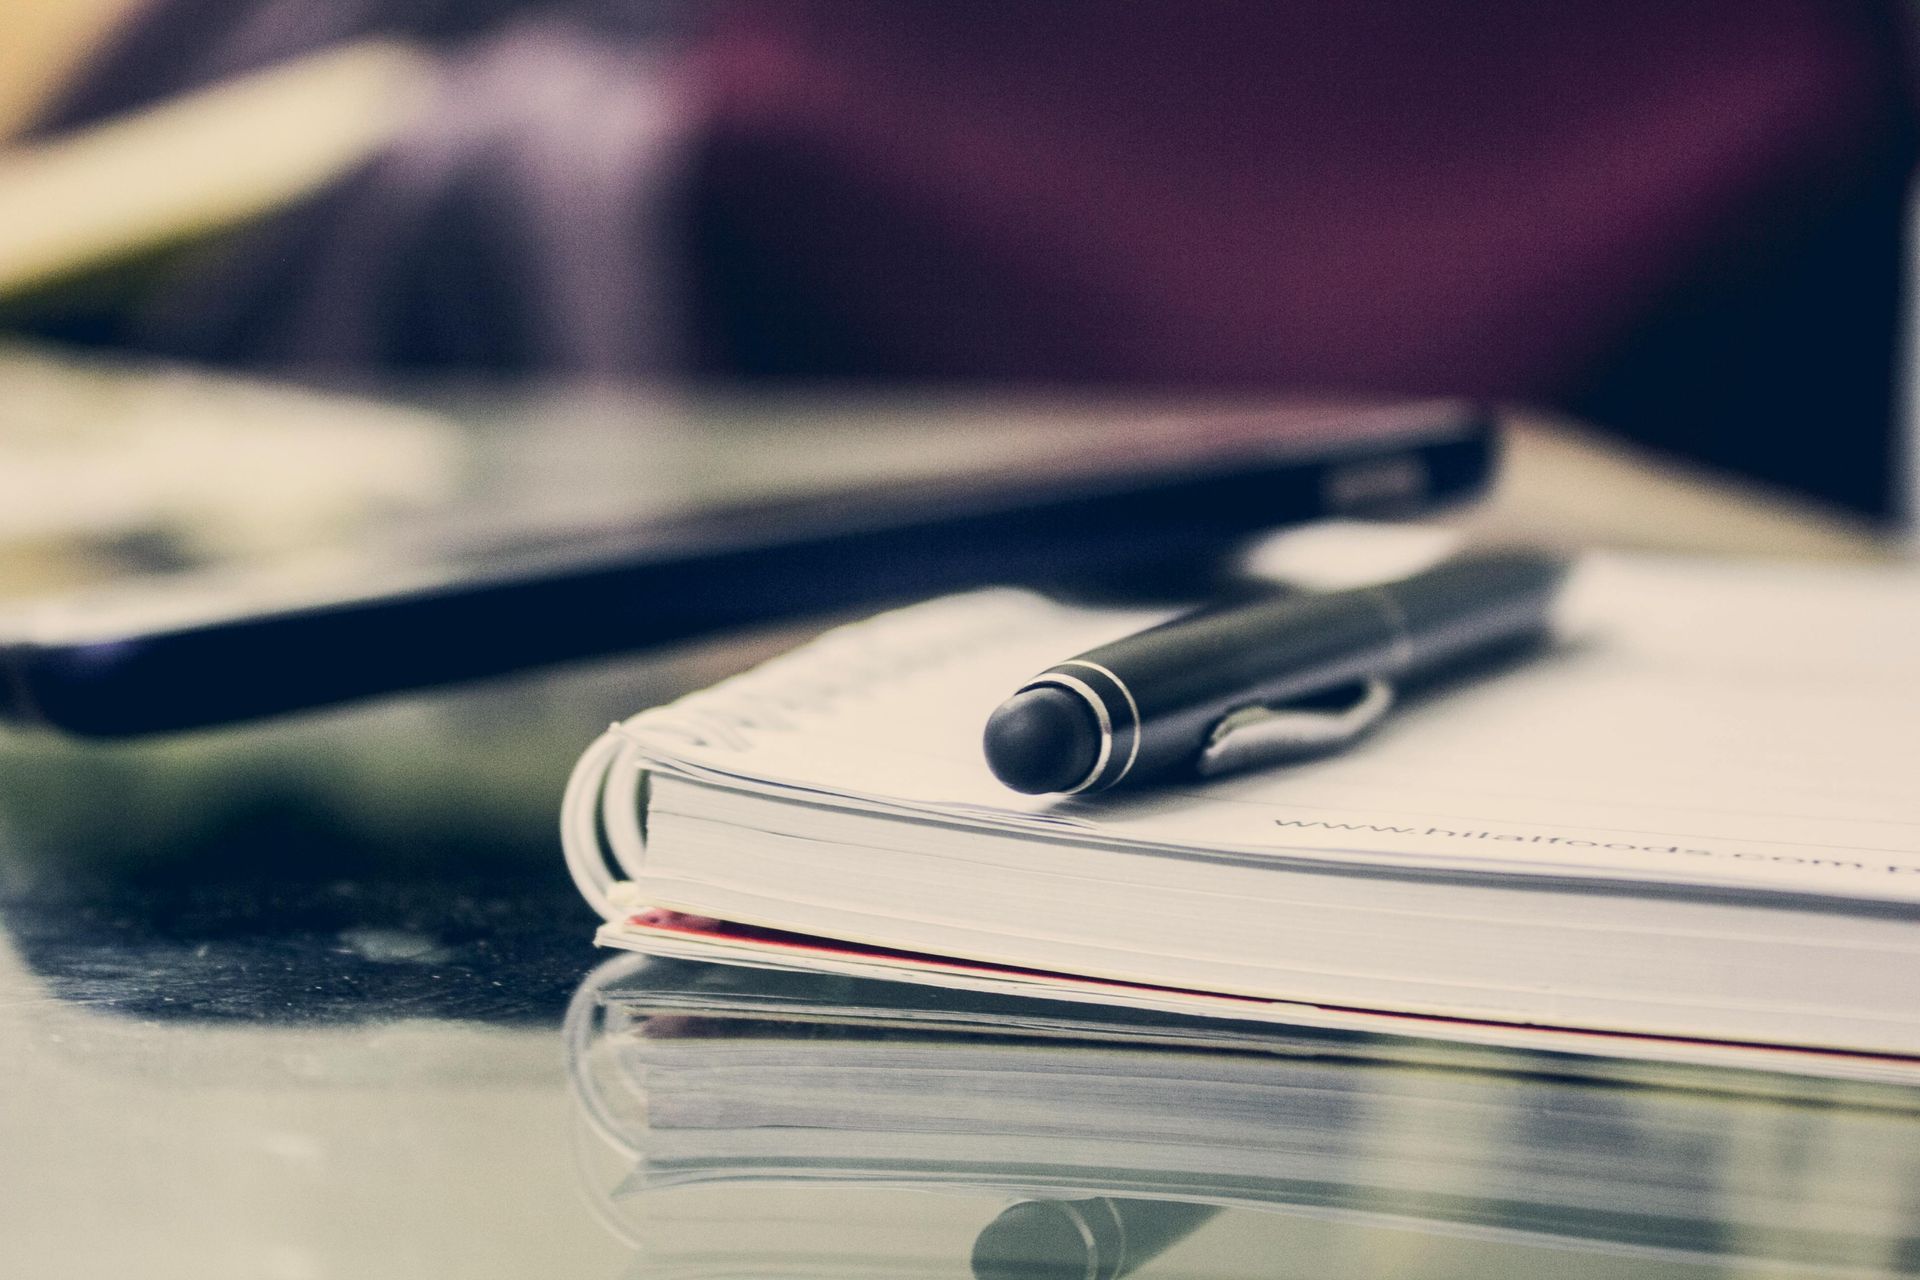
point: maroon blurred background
(1682, 221)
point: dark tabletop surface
(260, 1017)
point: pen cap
(1042, 740)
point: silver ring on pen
(1113, 707)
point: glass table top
(299, 1028)
(317, 1000)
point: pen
(1223, 688)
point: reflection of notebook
(1696, 822)
(674, 1069)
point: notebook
(1690, 827)
(705, 1079)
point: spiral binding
(601, 815)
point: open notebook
(1694, 822)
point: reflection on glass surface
(736, 1123)
(1099, 1238)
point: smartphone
(561, 535)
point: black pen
(1227, 687)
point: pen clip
(1262, 735)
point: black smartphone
(663, 523)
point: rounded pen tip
(1042, 740)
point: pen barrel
(1164, 689)
(1161, 692)
(1463, 607)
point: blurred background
(1684, 225)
